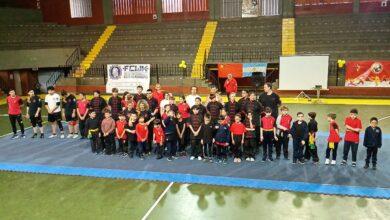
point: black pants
(36, 121)
(149, 147)
(282, 141)
(371, 152)
(16, 118)
(122, 146)
(109, 142)
(182, 142)
(132, 147)
(141, 148)
(268, 144)
(171, 148)
(334, 151)
(236, 147)
(249, 147)
(298, 150)
(222, 152)
(159, 150)
(311, 153)
(82, 127)
(207, 150)
(195, 147)
(354, 148)
(95, 142)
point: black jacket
(299, 132)
(373, 137)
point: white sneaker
(199, 158)
(69, 136)
(333, 162)
(75, 136)
(192, 158)
(248, 159)
(252, 159)
(52, 136)
(62, 136)
(327, 161)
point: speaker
(258, 78)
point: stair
(94, 52)
(204, 48)
(288, 36)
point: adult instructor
(270, 99)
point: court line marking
(157, 201)
(341, 190)
(384, 118)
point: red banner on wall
(230, 68)
(367, 73)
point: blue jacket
(223, 134)
(372, 137)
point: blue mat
(73, 157)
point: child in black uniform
(132, 137)
(92, 132)
(372, 141)
(311, 146)
(207, 132)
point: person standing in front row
(353, 126)
(372, 141)
(108, 130)
(15, 104)
(299, 133)
(194, 124)
(311, 146)
(53, 106)
(268, 134)
(333, 139)
(283, 124)
(92, 132)
(82, 113)
(237, 130)
(34, 106)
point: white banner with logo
(126, 77)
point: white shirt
(163, 103)
(190, 99)
(52, 100)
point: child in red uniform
(82, 113)
(267, 134)
(120, 131)
(183, 108)
(333, 139)
(158, 138)
(283, 124)
(142, 136)
(15, 104)
(250, 138)
(353, 126)
(237, 135)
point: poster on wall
(126, 77)
(250, 8)
(240, 70)
(369, 73)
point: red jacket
(230, 85)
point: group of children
(142, 125)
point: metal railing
(55, 76)
(74, 57)
(243, 54)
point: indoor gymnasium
(194, 109)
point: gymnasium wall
(19, 15)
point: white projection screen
(303, 72)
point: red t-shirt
(158, 96)
(230, 85)
(141, 131)
(285, 121)
(333, 136)
(164, 116)
(14, 105)
(82, 106)
(351, 135)
(159, 135)
(268, 122)
(183, 108)
(121, 126)
(238, 128)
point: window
(80, 8)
